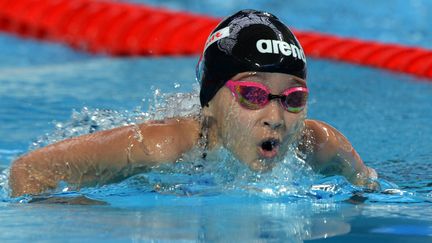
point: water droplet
(157, 92)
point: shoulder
(317, 126)
(168, 139)
(186, 129)
(326, 142)
(320, 132)
(172, 123)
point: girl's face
(256, 137)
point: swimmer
(253, 96)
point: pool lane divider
(126, 29)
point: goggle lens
(295, 101)
(251, 97)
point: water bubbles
(4, 184)
(176, 85)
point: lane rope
(125, 29)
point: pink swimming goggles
(254, 96)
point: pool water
(49, 92)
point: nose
(273, 125)
(273, 117)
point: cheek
(224, 113)
(237, 135)
(294, 123)
(233, 122)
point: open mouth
(269, 148)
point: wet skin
(112, 155)
(243, 131)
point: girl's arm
(102, 157)
(333, 154)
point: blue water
(48, 91)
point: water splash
(89, 120)
(4, 184)
(219, 174)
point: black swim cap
(249, 40)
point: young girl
(253, 97)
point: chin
(262, 165)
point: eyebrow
(299, 81)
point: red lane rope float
(104, 26)
(125, 29)
(411, 60)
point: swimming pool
(385, 115)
